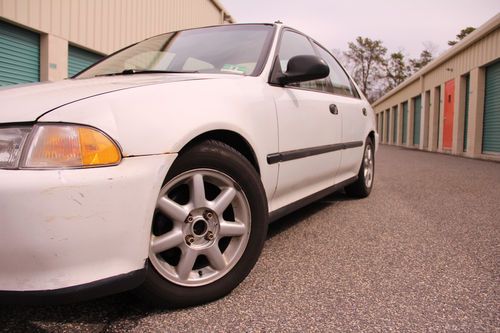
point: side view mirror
(304, 68)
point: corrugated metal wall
(108, 25)
(482, 52)
(406, 94)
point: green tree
(463, 33)
(419, 63)
(396, 70)
(367, 59)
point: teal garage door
(466, 115)
(19, 55)
(388, 125)
(79, 59)
(491, 123)
(381, 126)
(395, 127)
(405, 121)
(416, 119)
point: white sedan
(160, 167)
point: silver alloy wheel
(368, 165)
(198, 226)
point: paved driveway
(422, 253)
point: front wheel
(208, 229)
(363, 185)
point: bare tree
(341, 57)
(367, 58)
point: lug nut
(189, 239)
(189, 219)
(208, 215)
(209, 235)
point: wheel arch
(371, 135)
(230, 138)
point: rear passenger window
(342, 85)
(293, 44)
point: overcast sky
(400, 24)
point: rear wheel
(208, 229)
(363, 185)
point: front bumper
(84, 292)
(66, 228)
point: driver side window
(293, 44)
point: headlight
(11, 145)
(56, 147)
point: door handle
(334, 109)
(364, 111)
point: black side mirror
(304, 68)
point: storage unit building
(453, 104)
(51, 39)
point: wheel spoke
(223, 200)
(172, 209)
(167, 241)
(216, 258)
(229, 229)
(368, 172)
(197, 191)
(190, 207)
(186, 262)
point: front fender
(163, 118)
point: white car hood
(27, 102)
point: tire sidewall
(224, 159)
(361, 175)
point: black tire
(359, 188)
(213, 155)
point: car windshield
(231, 49)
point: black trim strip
(306, 152)
(354, 144)
(279, 213)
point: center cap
(200, 228)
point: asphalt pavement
(422, 253)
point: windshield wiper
(145, 71)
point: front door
(449, 106)
(310, 127)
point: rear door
(353, 113)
